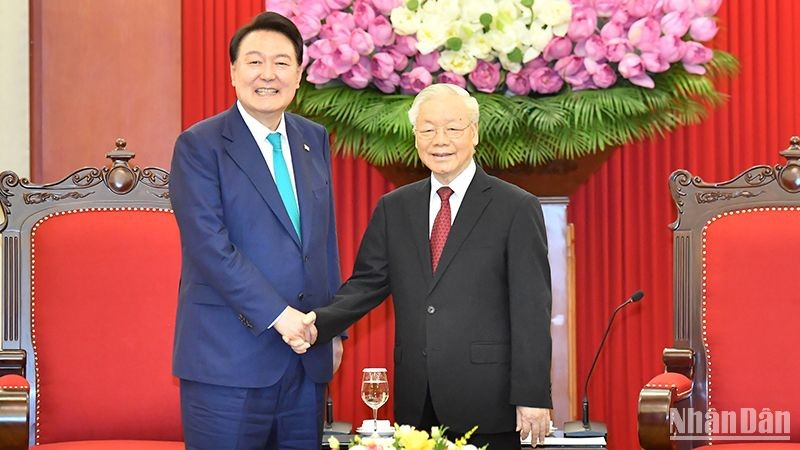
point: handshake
(298, 329)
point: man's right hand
(295, 331)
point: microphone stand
(584, 427)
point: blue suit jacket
(242, 262)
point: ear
(475, 134)
(233, 72)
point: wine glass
(374, 392)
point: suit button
(300, 296)
(241, 318)
(431, 309)
(424, 353)
(307, 258)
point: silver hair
(424, 95)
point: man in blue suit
(251, 190)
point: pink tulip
(406, 45)
(593, 48)
(363, 14)
(400, 60)
(671, 48)
(583, 23)
(653, 62)
(603, 75)
(557, 48)
(572, 70)
(338, 5)
(429, 61)
(617, 48)
(313, 8)
(707, 7)
(676, 5)
(361, 42)
(385, 6)
(675, 23)
(641, 8)
(382, 65)
(485, 76)
(453, 78)
(605, 8)
(320, 48)
(381, 31)
(632, 68)
(519, 83)
(387, 85)
(644, 34)
(320, 72)
(703, 29)
(309, 26)
(545, 80)
(282, 7)
(358, 76)
(696, 54)
(416, 80)
(343, 58)
(612, 30)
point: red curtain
(620, 216)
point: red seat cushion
(105, 289)
(14, 382)
(751, 310)
(112, 445)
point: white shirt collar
(258, 129)
(459, 184)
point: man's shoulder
(213, 124)
(509, 190)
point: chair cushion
(750, 313)
(14, 382)
(112, 445)
(756, 446)
(106, 286)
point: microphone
(585, 428)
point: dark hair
(268, 21)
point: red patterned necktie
(441, 226)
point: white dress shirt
(459, 186)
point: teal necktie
(283, 181)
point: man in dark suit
(464, 256)
(251, 190)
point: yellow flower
(333, 443)
(416, 440)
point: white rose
(459, 62)
(446, 8)
(471, 10)
(404, 21)
(513, 67)
(560, 30)
(553, 12)
(478, 46)
(461, 30)
(530, 54)
(503, 42)
(536, 36)
(432, 34)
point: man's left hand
(535, 421)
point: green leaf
(515, 55)
(486, 20)
(412, 5)
(454, 43)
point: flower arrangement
(408, 438)
(555, 78)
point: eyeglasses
(451, 132)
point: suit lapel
(303, 175)
(244, 151)
(475, 201)
(418, 209)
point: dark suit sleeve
(366, 288)
(530, 303)
(195, 193)
(334, 272)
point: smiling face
(266, 75)
(446, 156)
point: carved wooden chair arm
(662, 393)
(14, 392)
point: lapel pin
(306, 147)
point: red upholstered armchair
(731, 378)
(90, 277)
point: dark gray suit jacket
(478, 330)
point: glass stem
(375, 418)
